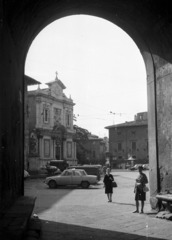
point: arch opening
(148, 24)
(149, 67)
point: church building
(50, 126)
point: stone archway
(148, 23)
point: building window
(119, 147)
(46, 147)
(118, 133)
(68, 119)
(33, 145)
(133, 146)
(57, 115)
(46, 115)
(69, 149)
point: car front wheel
(52, 184)
(85, 184)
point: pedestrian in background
(140, 195)
(108, 179)
(104, 170)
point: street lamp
(113, 114)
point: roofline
(57, 81)
(30, 81)
(128, 124)
(36, 94)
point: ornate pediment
(56, 90)
(56, 87)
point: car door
(65, 178)
(76, 178)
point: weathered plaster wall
(164, 121)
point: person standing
(140, 195)
(108, 179)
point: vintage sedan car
(76, 177)
(145, 166)
(135, 167)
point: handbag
(114, 184)
(145, 189)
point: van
(90, 170)
(61, 164)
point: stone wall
(11, 125)
(164, 122)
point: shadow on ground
(60, 231)
(46, 197)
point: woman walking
(140, 195)
(108, 179)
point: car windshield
(66, 173)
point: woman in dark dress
(140, 195)
(108, 179)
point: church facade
(50, 126)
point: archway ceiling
(148, 22)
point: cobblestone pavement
(73, 213)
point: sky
(100, 65)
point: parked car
(76, 177)
(90, 169)
(61, 164)
(135, 167)
(52, 170)
(145, 166)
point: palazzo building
(129, 141)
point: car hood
(53, 177)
